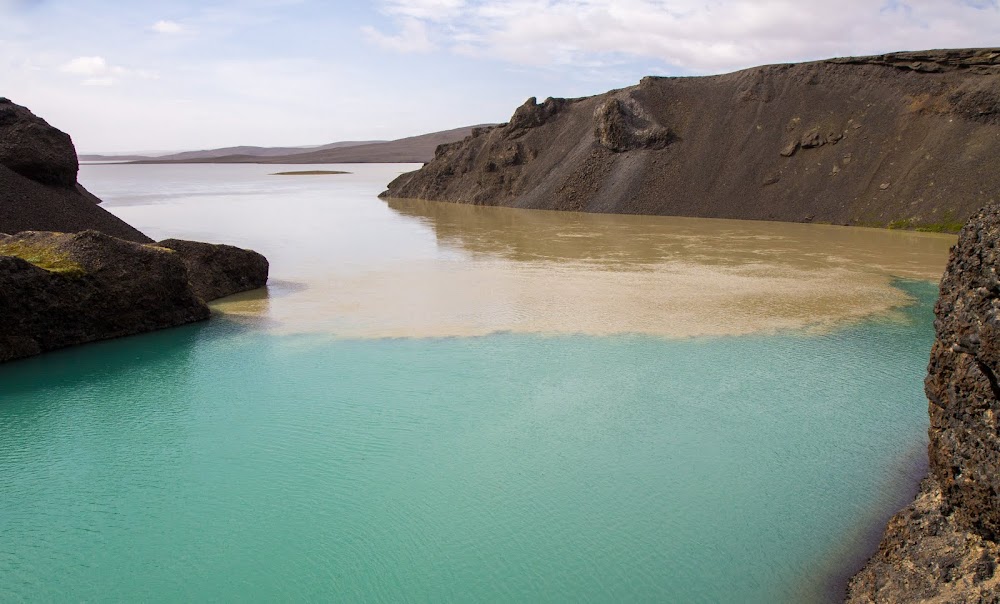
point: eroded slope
(904, 140)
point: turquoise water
(570, 407)
(220, 462)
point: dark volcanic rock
(623, 125)
(925, 557)
(962, 379)
(927, 122)
(38, 188)
(533, 115)
(59, 289)
(34, 149)
(216, 270)
(943, 548)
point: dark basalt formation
(944, 547)
(99, 278)
(38, 187)
(217, 271)
(906, 140)
(60, 289)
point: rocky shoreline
(72, 272)
(943, 547)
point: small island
(309, 172)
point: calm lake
(441, 402)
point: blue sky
(121, 76)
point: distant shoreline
(415, 149)
(309, 172)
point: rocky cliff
(944, 547)
(38, 187)
(906, 140)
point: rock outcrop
(99, 278)
(34, 149)
(944, 547)
(38, 187)
(906, 140)
(217, 271)
(60, 289)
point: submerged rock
(944, 547)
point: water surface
(348, 264)
(550, 422)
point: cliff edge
(906, 140)
(945, 547)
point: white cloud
(99, 82)
(433, 10)
(87, 66)
(412, 37)
(167, 27)
(96, 71)
(694, 35)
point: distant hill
(95, 157)
(413, 149)
(247, 150)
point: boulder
(60, 289)
(216, 270)
(622, 125)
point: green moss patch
(940, 227)
(43, 257)
(948, 224)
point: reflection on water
(631, 242)
(558, 272)
(363, 267)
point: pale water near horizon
(521, 437)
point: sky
(192, 74)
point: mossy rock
(43, 257)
